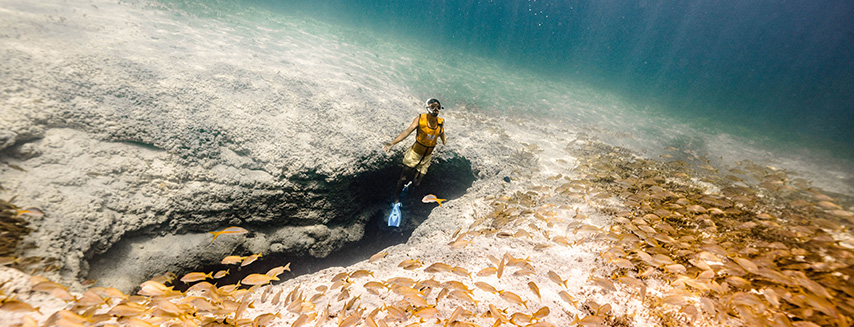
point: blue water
(776, 71)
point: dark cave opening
(447, 178)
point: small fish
(129, 309)
(90, 298)
(167, 306)
(46, 286)
(275, 272)
(232, 259)
(520, 319)
(361, 273)
(415, 300)
(486, 287)
(410, 264)
(220, 274)
(374, 287)
(342, 276)
(428, 313)
(351, 320)
(557, 279)
(604, 283)
(534, 288)
(351, 303)
(302, 319)
(589, 321)
(500, 270)
(396, 312)
(276, 297)
(457, 314)
(196, 276)
(540, 314)
(497, 314)
(154, 288)
(378, 256)
(230, 230)
(15, 305)
(62, 294)
(487, 271)
(460, 271)
(265, 319)
(462, 296)
(250, 259)
(513, 298)
(568, 298)
(456, 285)
(438, 267)
(460, 243)
(33, 212)
(432, 198)
(258, 279)
(748, 265)
(345, 294)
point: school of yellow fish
(758, 248)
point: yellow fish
(154, 288)
(361, 273)
(432, 198)
(557, 279)
(513, 298)
(127, 310)
(196, 276)
(258, 279)
(232, 259)
(377, 256)
(487, 271)
(34, 212)
(486, 287)
(534, 288)
(278, 270)
(428, 313)
(220, 274)
(250, 259)
(568, 298)
(229, 230)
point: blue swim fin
(394, 216)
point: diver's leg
(418, 177)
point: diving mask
(433, 106)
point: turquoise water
(776, 70)
(780, 67)
(776, 76)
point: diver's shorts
(415, 160)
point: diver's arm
(443, 136)
(402, 135)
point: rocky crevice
(314, 217)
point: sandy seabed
(584, 233)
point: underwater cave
(449, 178)
(371, 192)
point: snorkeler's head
(433, 106)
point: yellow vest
(427, 136)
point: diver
(416, 161)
